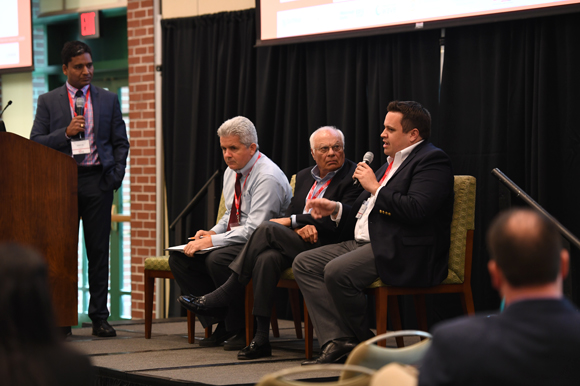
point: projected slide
(290, 18)
(15, 35)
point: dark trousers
(203, 273)
(95, 210)
(269, 251)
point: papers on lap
(179, 248)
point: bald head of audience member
(527, 256)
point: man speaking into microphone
(398, 229)
(85, 121)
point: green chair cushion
(158, 263)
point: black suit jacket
(409, 225)
(340, 189)
(533, 342)
(53, 116)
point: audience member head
(77, 64)
(238, 140)
(526, 252)
(24, 297)
(415, 116)
(327, 149)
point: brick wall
(142, 122)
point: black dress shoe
(65, 332)
(253, 351)
(236, 342)
(197, 306)
(335, 351)
(103, 329)
(219, 336)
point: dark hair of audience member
(72, 49)
(414, 116)
(528, 255)
(26, 317)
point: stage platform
(168, 359)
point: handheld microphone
(367, 159)
(80, 106)
(5, 107)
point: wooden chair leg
(294, 297)
(421, 311)
(308, 334)
(274, 323)
(190, 327)
(149, 288)
(467, 301)
(381, 313)
(249, 306)
(395, 313)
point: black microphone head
(368, 157)
(80, 105)
(9, 103)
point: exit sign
(90, 25)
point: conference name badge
(80, 146)
(363, 209)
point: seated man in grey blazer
(536, 340)
(273, 246)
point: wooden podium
(38, 207)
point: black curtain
(507, 99)
(208, 77)
(344, 83)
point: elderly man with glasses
(273, 246)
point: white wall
(19, 116)
(185, 8)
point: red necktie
(386, 173)
(236, 204)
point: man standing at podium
(85, 121)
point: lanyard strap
(237, 199)
(71, 101)
(312, 195)
(386, 172)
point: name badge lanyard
(72, 105)
(386, 172)
(238, 200)
(312, 195)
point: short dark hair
(526, 247)
(72, 49)
(414, 116)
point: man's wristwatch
(336, 209)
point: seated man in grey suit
(255, 190)
(275, 243)
(536, 340)
(398, 229)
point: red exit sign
(89, 25)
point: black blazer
(340, 189)
(409, 225)
(533, 342)
(53, 116)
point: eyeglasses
(325, 149)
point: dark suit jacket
(53, 116)
(340, 189)
(533, 342)
(410, 223)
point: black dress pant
(203, 273)
(269, 252)
(94, 207)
